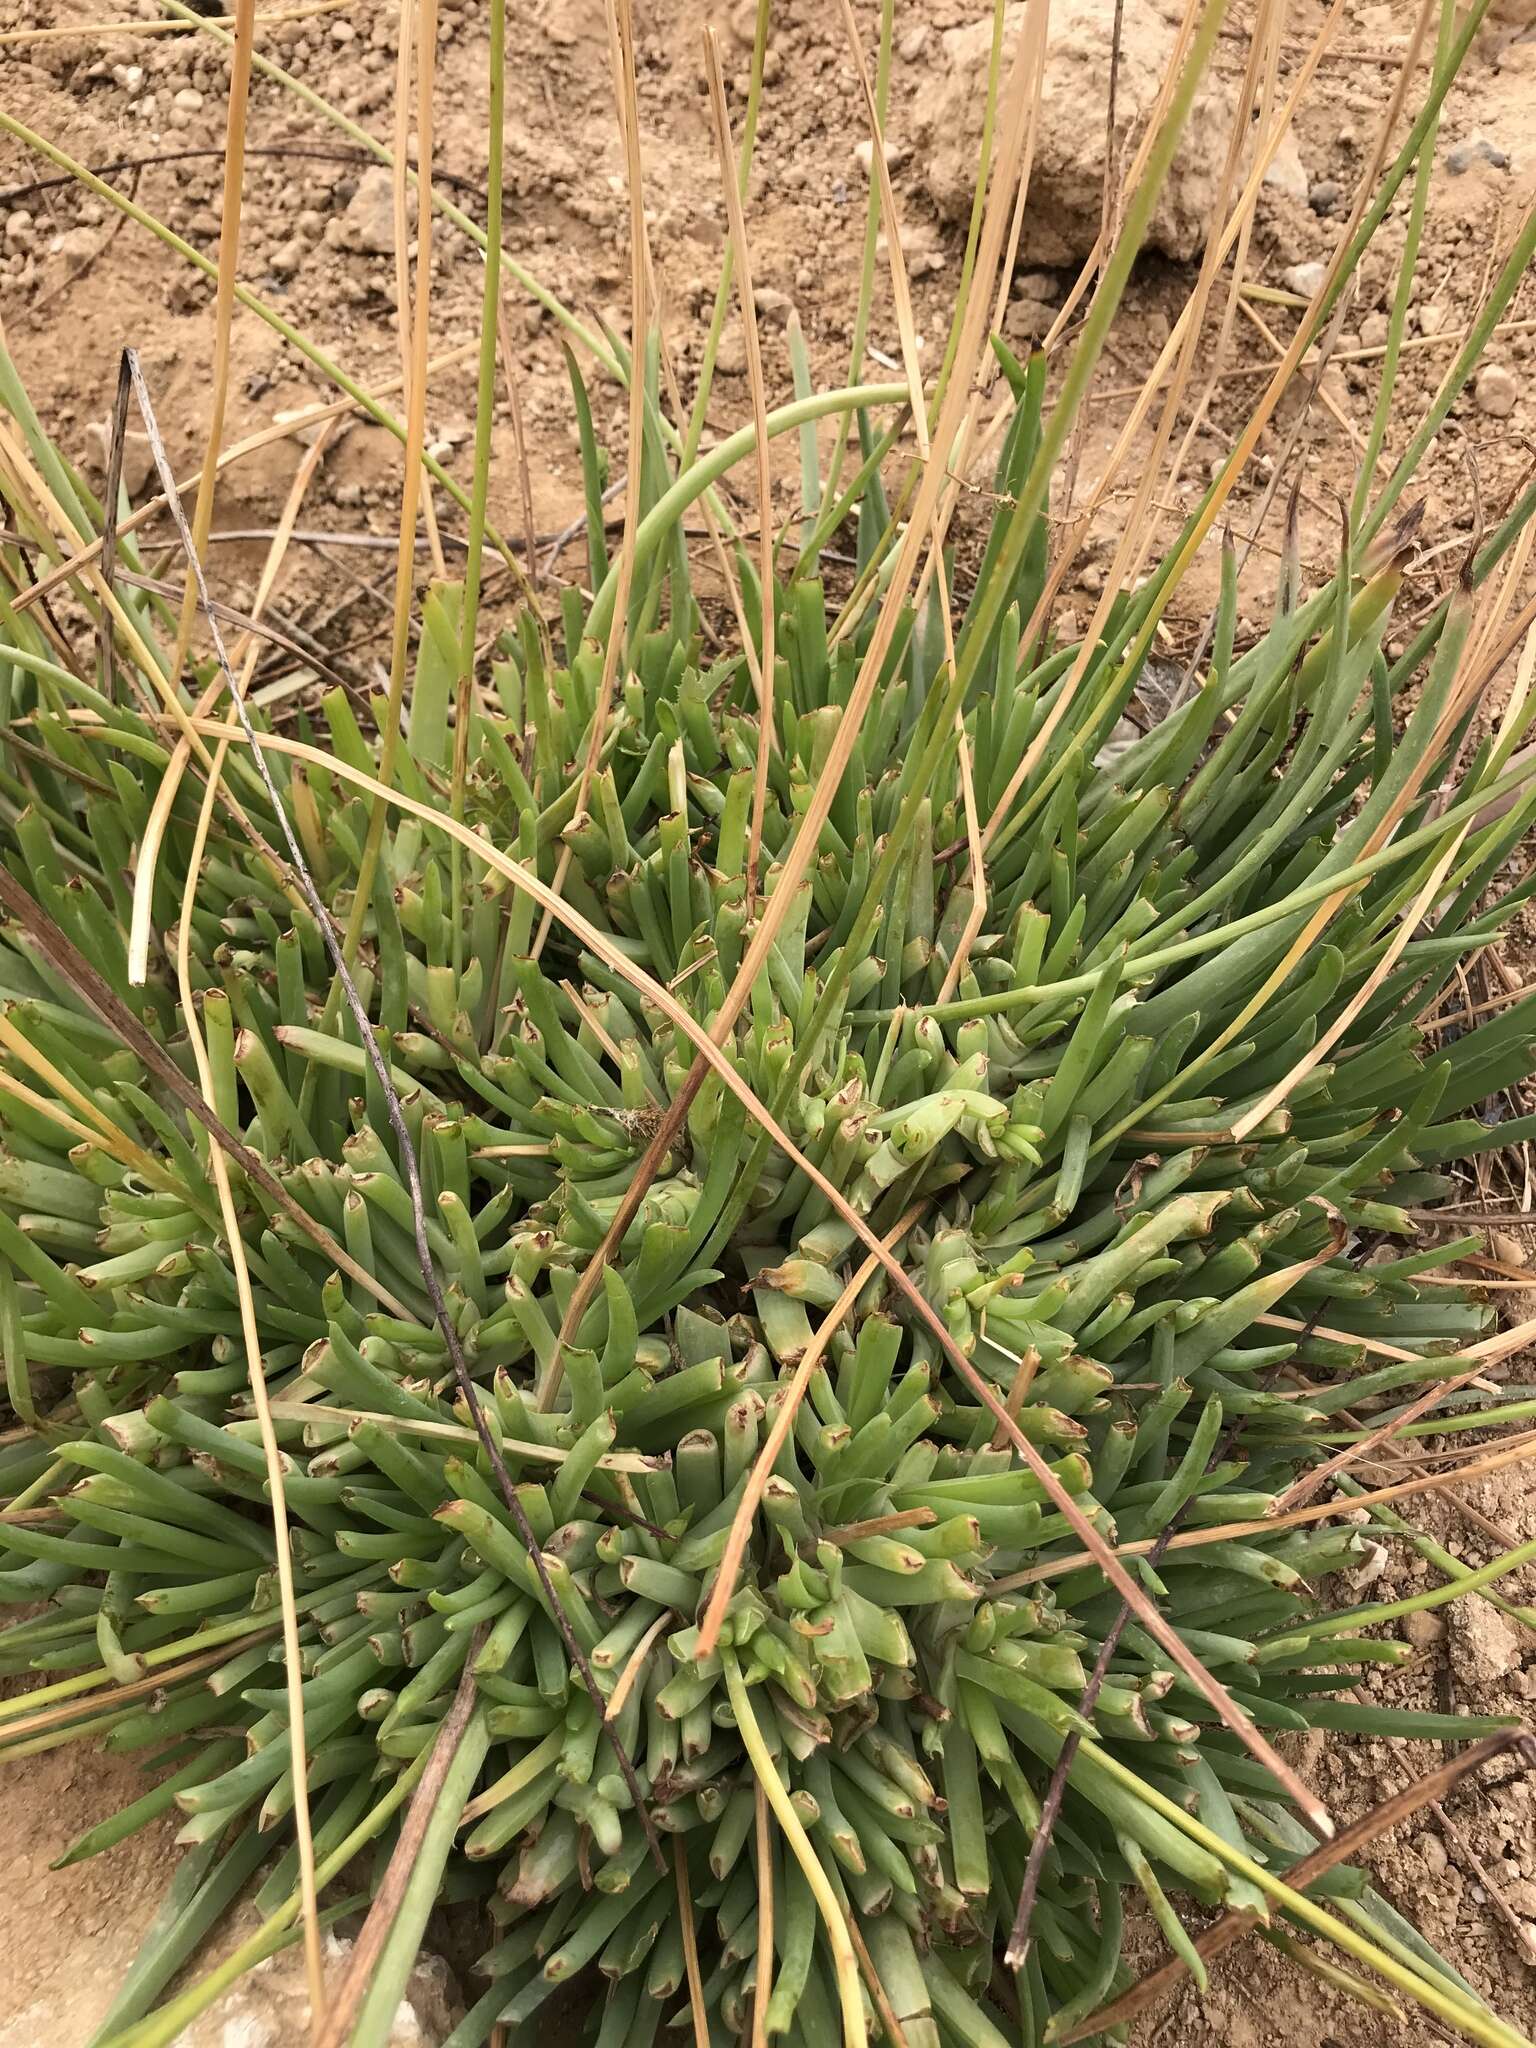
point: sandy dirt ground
(77, 282)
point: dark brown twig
(262, 629)
(1017, 1950)
(337, 155)
(118, 435)
(1350, 1841)
(108, 1005)
(389, 1897)
(410, 1165)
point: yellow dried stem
(250, 1333)
(742, 251)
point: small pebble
(1028, 319)
(138, 463)
(1373, 330)
(895, 154)
(1432, 1849)
(913, 43)
(286, 259)
(189, 99)
(1325, 195)
(1305, 279)
(369, 221)
(1432, 318)
(731, 356)
(76, 245)
(1495, 391)
(18, 227)
(1478, 150)
(1287, 174)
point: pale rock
(1432, 318)
(1125, 734)
(76, 245)
(1287, 174)
(1495, 391)
(369, 221)
(1066, 186)
(18, 227)
(305, 435)
(1423, 1630)
(913, 43)
(286, 259)
(189, 99)
(1304, 279)
(1485, 1647)
(1027, 319)
(138, 457)
(1374, 329)
(895, 154)
(1432, 1849)
(269, 2007)
(731, 356)
(1372, 1569)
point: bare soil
(77, 283)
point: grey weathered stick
(116, 438)
(397, 1875)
